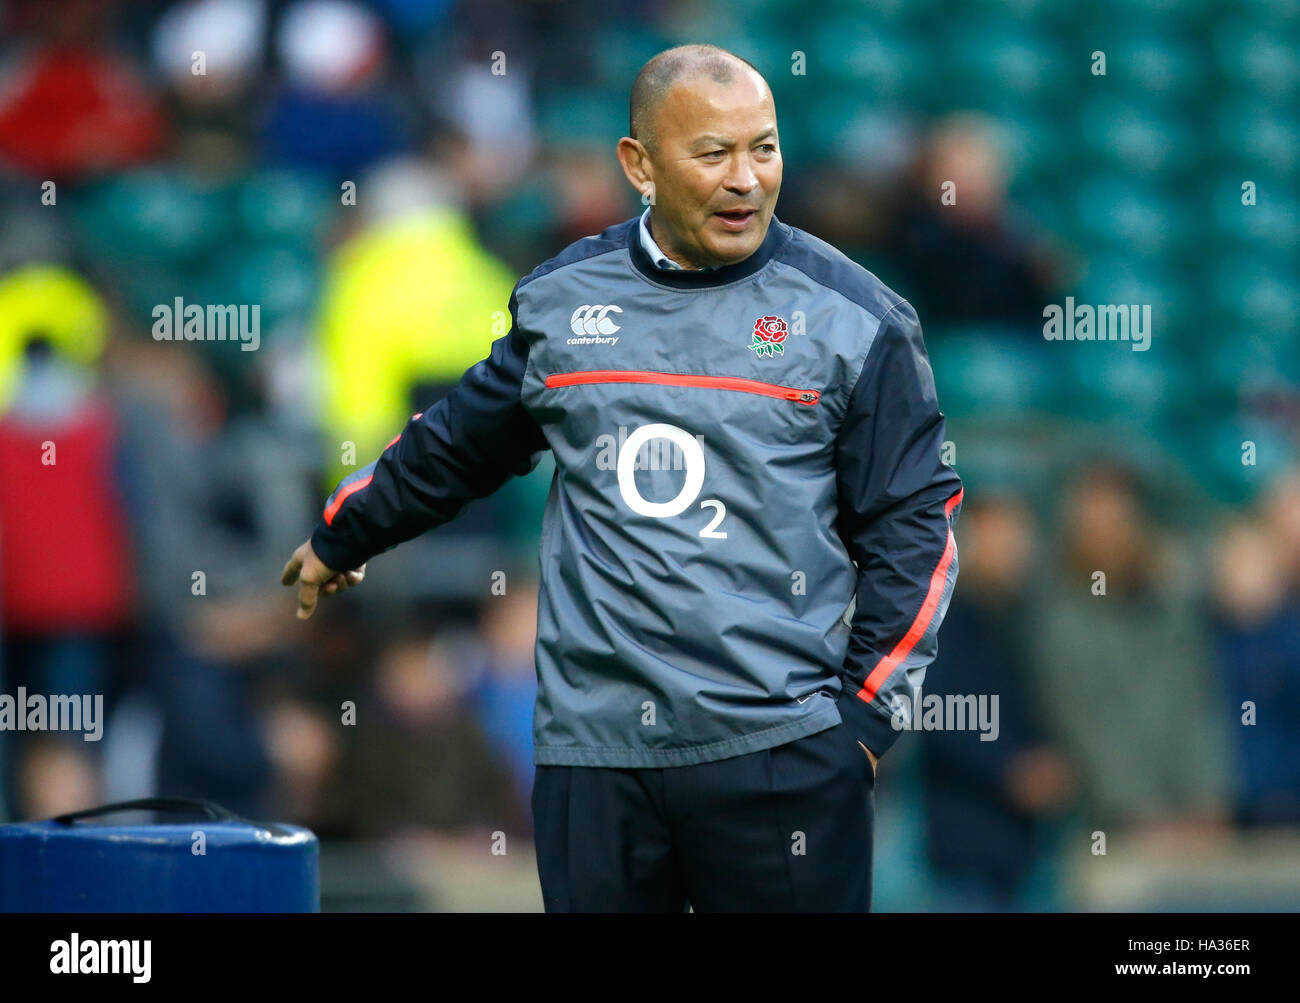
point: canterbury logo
(594, 320)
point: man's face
(716, 169)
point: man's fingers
(309, 592)
(306, 600)
(290, 573)
(345, 580)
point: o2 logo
(693, 457)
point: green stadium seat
(1246, 359)
(140, 289)
(1257, 58)
(286, 205)
(1111, 380)
(871, 62)
(1118, 275)
(1272, 224)
(155, 214)
(1032, 145)
(624, 48)
(1264, 295)
(864, 135)
(597, 117)
(1118, 19)
(1128, 138)
(283, 279)
(1258, 136)
(989, 372)
(1156, 70)
(992, 60)
(1220, 449)
(1116, 211)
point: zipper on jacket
(808, 397)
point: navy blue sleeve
(464, 447)
(897, 502)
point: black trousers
(787, 829)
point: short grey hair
(682, 62)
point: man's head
(704, 148)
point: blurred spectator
(335, 109)
(1257, 640)
(1124, 660)
(416, 759)
(410, 302)
(305, 746)
(67, 589)
(973, 261)
(499, 660)
(212, 54)
(214, 499)
(491, 139)
(70, 106)
(589, 194)
(847, 209)
(984, 799)
(1280, 507)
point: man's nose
(741, 180)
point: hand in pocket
(870, 756)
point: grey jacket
(748, 535)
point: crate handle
(188, 805)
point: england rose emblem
(769, 333)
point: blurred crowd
(375, 176)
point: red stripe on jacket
(352, 489)
(926, 614)
(343, 496)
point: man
(738, 414)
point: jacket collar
(656, 254)
(778, 235)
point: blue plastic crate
(77, 863)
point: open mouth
(736, 219)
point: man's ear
(635, 161)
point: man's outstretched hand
(314, 578)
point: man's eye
(715, 153)
(769, 147)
